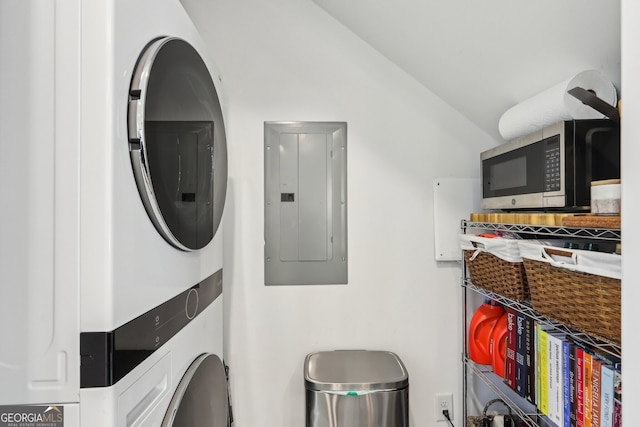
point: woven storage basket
(494, 274)
(584, 301)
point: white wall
(288, 60)
(630, 209)
(492, 54)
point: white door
(201, 397)
(177, 143)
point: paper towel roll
(555, 104)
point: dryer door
(201, 397)
(177, 143)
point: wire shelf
(547, 230)
(484, 373)
(488, 377)
(525, 308)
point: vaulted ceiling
(483, 57)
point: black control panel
(552, 164)
(106, 357)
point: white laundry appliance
(113, 154)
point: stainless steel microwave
(551, 169)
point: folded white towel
(598, 263)
(506, 249)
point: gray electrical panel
(305, 220)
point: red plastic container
(481, 330)
(499, 345)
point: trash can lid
(354, 370)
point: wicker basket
(587, 302)
(494, 274)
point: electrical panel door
(305, 203)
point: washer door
(201, 397)
(177, 143)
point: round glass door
(201, 397)
(177, 143)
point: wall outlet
(444, 401)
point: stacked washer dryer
(120, 313)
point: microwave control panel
(552, 165)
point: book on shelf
(587, 366)
(510, 368)
(537, 364)
(596, 367)
(579, 386)
(606, 393)
(520, 380)
(566, 382)
(555, 396)
(543, 379)
(573, 403)
(617, 398)
(603, 365)
(529, 359)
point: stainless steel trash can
(356, 388)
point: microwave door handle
(596, 103)
(588, 157)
